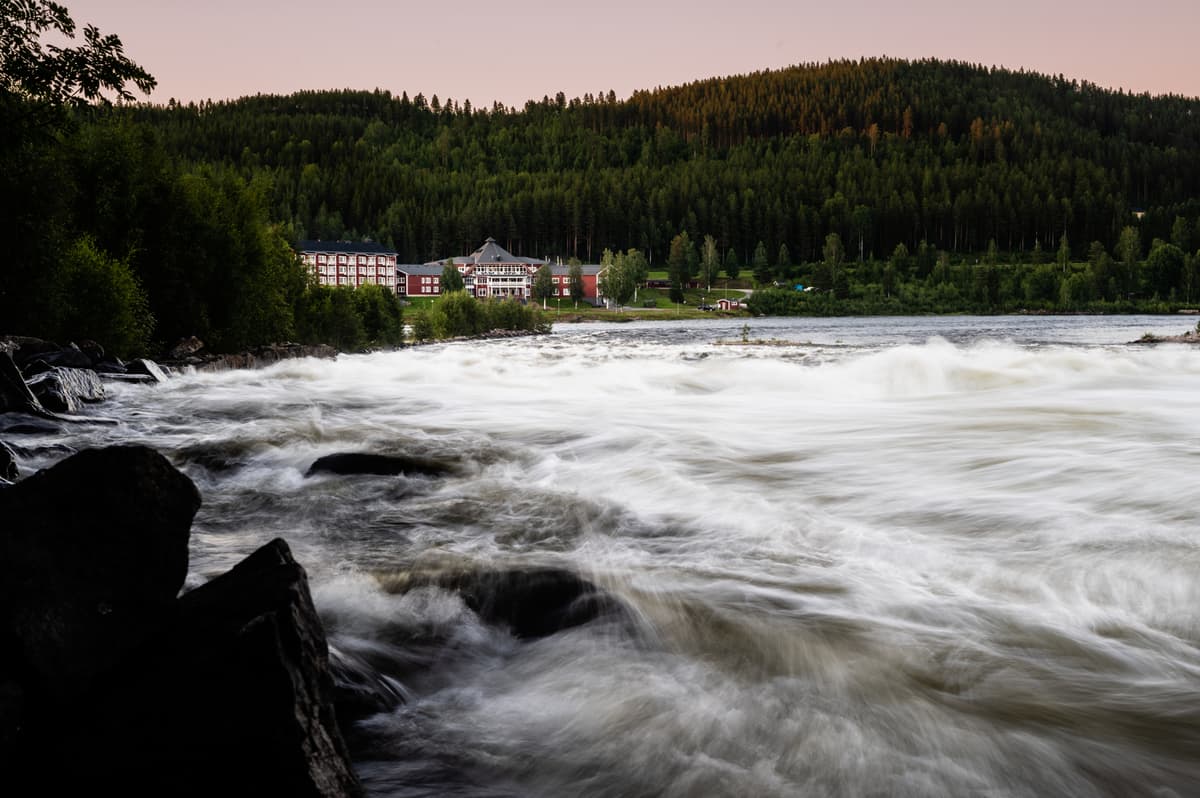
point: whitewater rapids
(864, 557)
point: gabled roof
(420, 269)
(356, 247)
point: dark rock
(111, 365)
(532, 603)
(93, 350)
(257, 700)
(35, 367)
(30, 349)
(68, 357)
(20, 424)
(134, 378)
(360, 689)
(8, 463)
(185, 347)
(225, 690)
(93, 553)
(259, 357)
(66, 390)
(146, 367)
(15, 396)
(379, 464)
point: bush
(96, 296)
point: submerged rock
(531, 602)
(378, 464)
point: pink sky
(523, 49)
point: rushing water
(890, 557)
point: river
(937, 556)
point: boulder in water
(146, 367)
(532, 603)
(70, 357)
(93, 553)
(240, 696)
(378, 464)
(185, 348)
(65, 390)
(15, 396)
(8, 463)
(223, 691)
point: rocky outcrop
(348, 463)
(8, 463)
(63, 390)
(1189, 337)
(225, 690)
(194, 355)
(93, 554)
(15, 396)
(146, 368)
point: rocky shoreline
(1189, 337)
(229, 688)
(223, 690)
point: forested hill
(880, 151)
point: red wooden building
(349, 263)
(493, 272)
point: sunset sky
(524, 49)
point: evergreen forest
(888, 186)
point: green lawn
(651, 303)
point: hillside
(880, 151)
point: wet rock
(93, 553)
(93, 350)
(184, 348)
(68, 357)
(8, 463)
(378, 464)
(147, 368)
(31, 349)
(225, 690)
(20, 424)
(15, 396)
(532, 603)
(65, 390)
(263, 356)
(258, 703)
(111, 365)
(360, 689)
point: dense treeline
(109, 236)
(882, 152)
(114, 241)
(139, 224)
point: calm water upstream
(936, 556)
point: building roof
(420, 269)
(587, 268)
(365, 247)
(490, 252)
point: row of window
(361, 260)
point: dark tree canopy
(34, 69)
